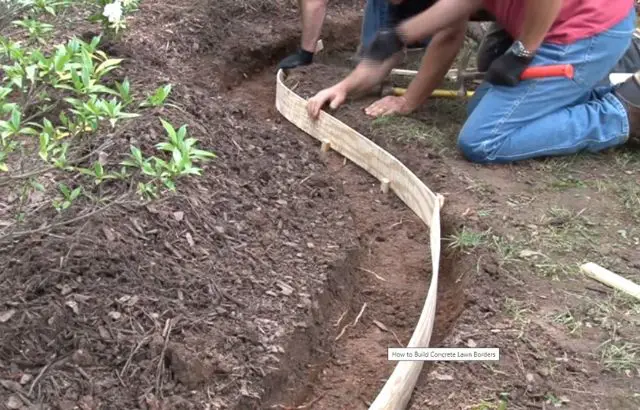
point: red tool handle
(561, 70)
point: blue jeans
(552, 116)
(376, 17)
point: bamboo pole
(611, 279)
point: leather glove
(386, 43)
(507, 69)
(299, 58)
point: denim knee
(475, 146)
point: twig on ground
(373, 273)
(340, 318)
(355, 322)
(133, 352)
(230, 298)
(42, 372)
(166, 333)
(590, 393)
(384, 328)
(520, 363)
(397, 223)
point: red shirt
(577, 20)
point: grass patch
(554, 270)
(496, 404)
(406, 129)
(620, 357)
(466, 239)
(613, 315)
(568, 320)
(566, 231)
(507, 249)
(565, 183)
(487, 405)
(627, 159)
(629, 194)
(564, 166)
(518, 312)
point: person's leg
(312, 13)
(375, 18)
(553, 116)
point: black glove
(507, 69)
(386, 43)
(299, 58)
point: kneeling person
(509, 119)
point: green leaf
(16, 118)
(182, 132)
(75, 193)
(170, 130)
(98, 169)
(107, 66)
(37, 186)
(28, 131)
(203, 154)
(164, 146)
(137, 154)
(31, 72)
(176, 156)
(169, 184)
(64, 189)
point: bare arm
(441, 15)
(313, 13)
(439, 57)
(366, 75)
(539, 16)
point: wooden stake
(611, 279)
(326, 146)
(384, 185)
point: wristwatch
(520, 50)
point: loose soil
(232, 293)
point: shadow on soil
(313, 352)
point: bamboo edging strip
(394, 175)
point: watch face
(520, 50)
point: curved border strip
(334, 134)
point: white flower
(113, 11)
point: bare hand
(387, 106)
(335, 96)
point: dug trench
(373, 301)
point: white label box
(444, 354)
